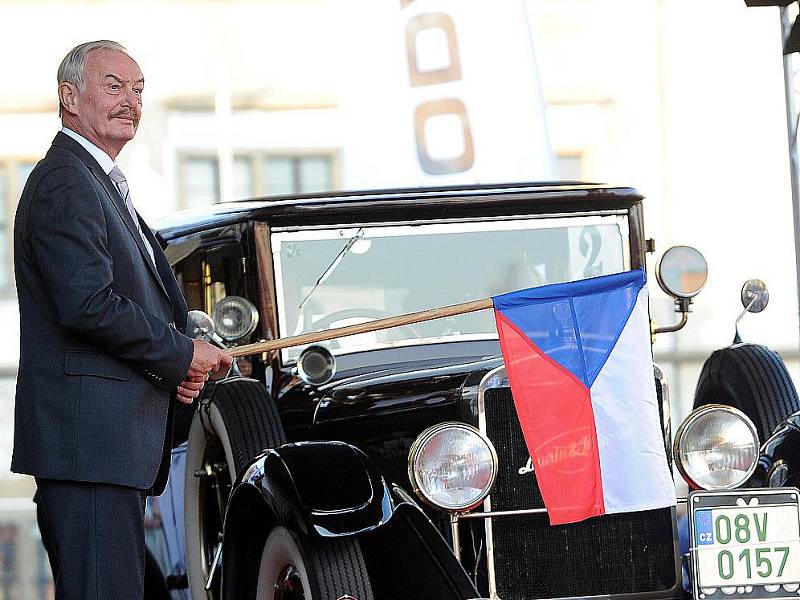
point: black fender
(779, 460)
(332, 489)
(303, 487)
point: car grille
(608, 555)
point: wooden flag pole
(329, 334)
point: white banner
(436, 92)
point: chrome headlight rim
(690, 420)
(419, 444)
(249, 310)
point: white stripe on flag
(633, 464)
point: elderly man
(103, 356)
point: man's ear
(68, 97)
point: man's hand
(207, 358)
(190, 388)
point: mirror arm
(736, 337)
(745, 311)
(682, 305)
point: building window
(5, 263)
(13, 175)
(256, 174)
(279, 175)
(313, 174)
(23, 170)
(199, 181)
(297, 174)
(243, 181)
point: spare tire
(236, 420)
(753, 379)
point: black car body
(330, 460)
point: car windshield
(340, 276)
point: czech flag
(580, 366)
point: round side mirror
(199, 325)
(755, 295)
(682, 272)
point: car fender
(301, 485)
(779, 461)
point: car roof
(366, 206)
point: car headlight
(452, 466)
(235, 318)
(716, 448)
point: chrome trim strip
(666, 412)
(456, 537)
(496, 378)
(504, 513)
(526, 511)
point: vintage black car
(390, 464)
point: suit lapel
(167, 277)
(116, 200)
(122, 210)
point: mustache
(124, 113)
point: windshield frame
(344, 231)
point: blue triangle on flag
(576, 324)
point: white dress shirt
(104, 160)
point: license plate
(745, 542)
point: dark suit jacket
(101, 347)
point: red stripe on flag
(555, 412)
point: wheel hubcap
(215, 487)
(289, 585)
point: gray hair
(72, 68)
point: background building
(681, 99)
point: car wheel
(236, 420)
(753, 379)
(298, 568)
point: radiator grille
(612, 554)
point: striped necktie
(122, 186)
